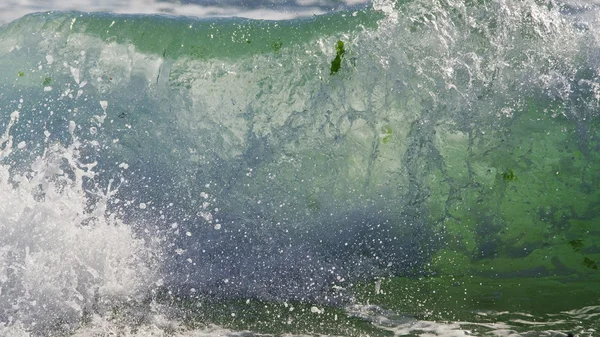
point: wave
(291, 160)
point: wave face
(291, 160)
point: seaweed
(336, 63)
(276, 45)
(509, 175)
(386, 132)
(576, 244)
(590, 263)
(47, 81)
(20, 74)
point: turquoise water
(420, 168)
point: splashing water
(63, 255)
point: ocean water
(257, 9)
(400, 168)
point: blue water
(401, 168)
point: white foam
(62, 254)
(158, 327)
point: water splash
(63, 255)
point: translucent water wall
(293, 160)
